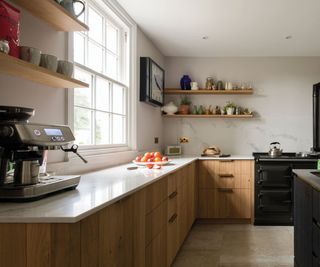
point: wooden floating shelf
(208, 92)
(17, 67)
(54, 14)
(210, 116)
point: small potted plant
(230, 108)
(185, 103)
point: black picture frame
(151, 82)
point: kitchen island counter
(95, 191)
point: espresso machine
(22, 149)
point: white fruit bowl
(151, 163)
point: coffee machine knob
(6, 131)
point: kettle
(69, 6)
(275, 150)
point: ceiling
(233, 27)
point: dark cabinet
(302, 223)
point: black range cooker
(273, 196)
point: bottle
(185, 82)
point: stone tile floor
(211, 245)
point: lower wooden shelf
(17, 67)
(210, 116)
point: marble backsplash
(282, 102)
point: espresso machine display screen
(53, 132)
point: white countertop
(309, 178)
(95, 191)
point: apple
(149, 166)
(164, 159)
(138, 158)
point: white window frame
(131, 107)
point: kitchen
(277, 58)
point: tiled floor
(237, 245)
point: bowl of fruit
(151, 160)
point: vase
(184, 109)
(230, 111)
(185, 82)
(170, 108)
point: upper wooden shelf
(54, 14)
(209, 92)
(17, 67)
(210, 116)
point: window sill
(75, 165)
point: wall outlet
(184, 140)
(156, 140)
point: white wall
(282, 101)
(51, 103)
(150, 123)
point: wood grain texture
(66, 245)
(38, 245)
(13, 245)
(155, 194)
(90, 236)
(139, 228)
(156, 252)
(19, 68)
(155, 222)
(208, 92)
(54, 14)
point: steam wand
(74, 149)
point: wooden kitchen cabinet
(144, 229)
(225, 189)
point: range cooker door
(274, 175)
(274, 201)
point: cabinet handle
(316, 222)
(227, 160)
(173, 194)
(225, 189)
(226, 175)
(173, 218)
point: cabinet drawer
(225, 203)
(155, 194)
(225, 174)
(172, 184)
(316, 205)
(156, 221)
(156, 252)
(172, 238)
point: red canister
(10, 26)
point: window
(101, 55)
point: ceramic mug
(194, 86)
(49, 62)
(65, 68)
(69, 6)
(30, 54)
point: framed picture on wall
(151, 82)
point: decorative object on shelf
(10, 26)
(151, 82)
(4, 46)
(209, 83)
(230, 108)
(201, 110)
(185, 82)
(247, 111)
(65, 68)
(49, 62)
(22, 69)
(208, 110)
(30, 54)
(194, 86)
(69, 6)
(170, 108)
(228, 86)
(194, 110)
(218, 110)
(219, 85)
(184, 105)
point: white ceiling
(234, 27)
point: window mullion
(94, 84)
